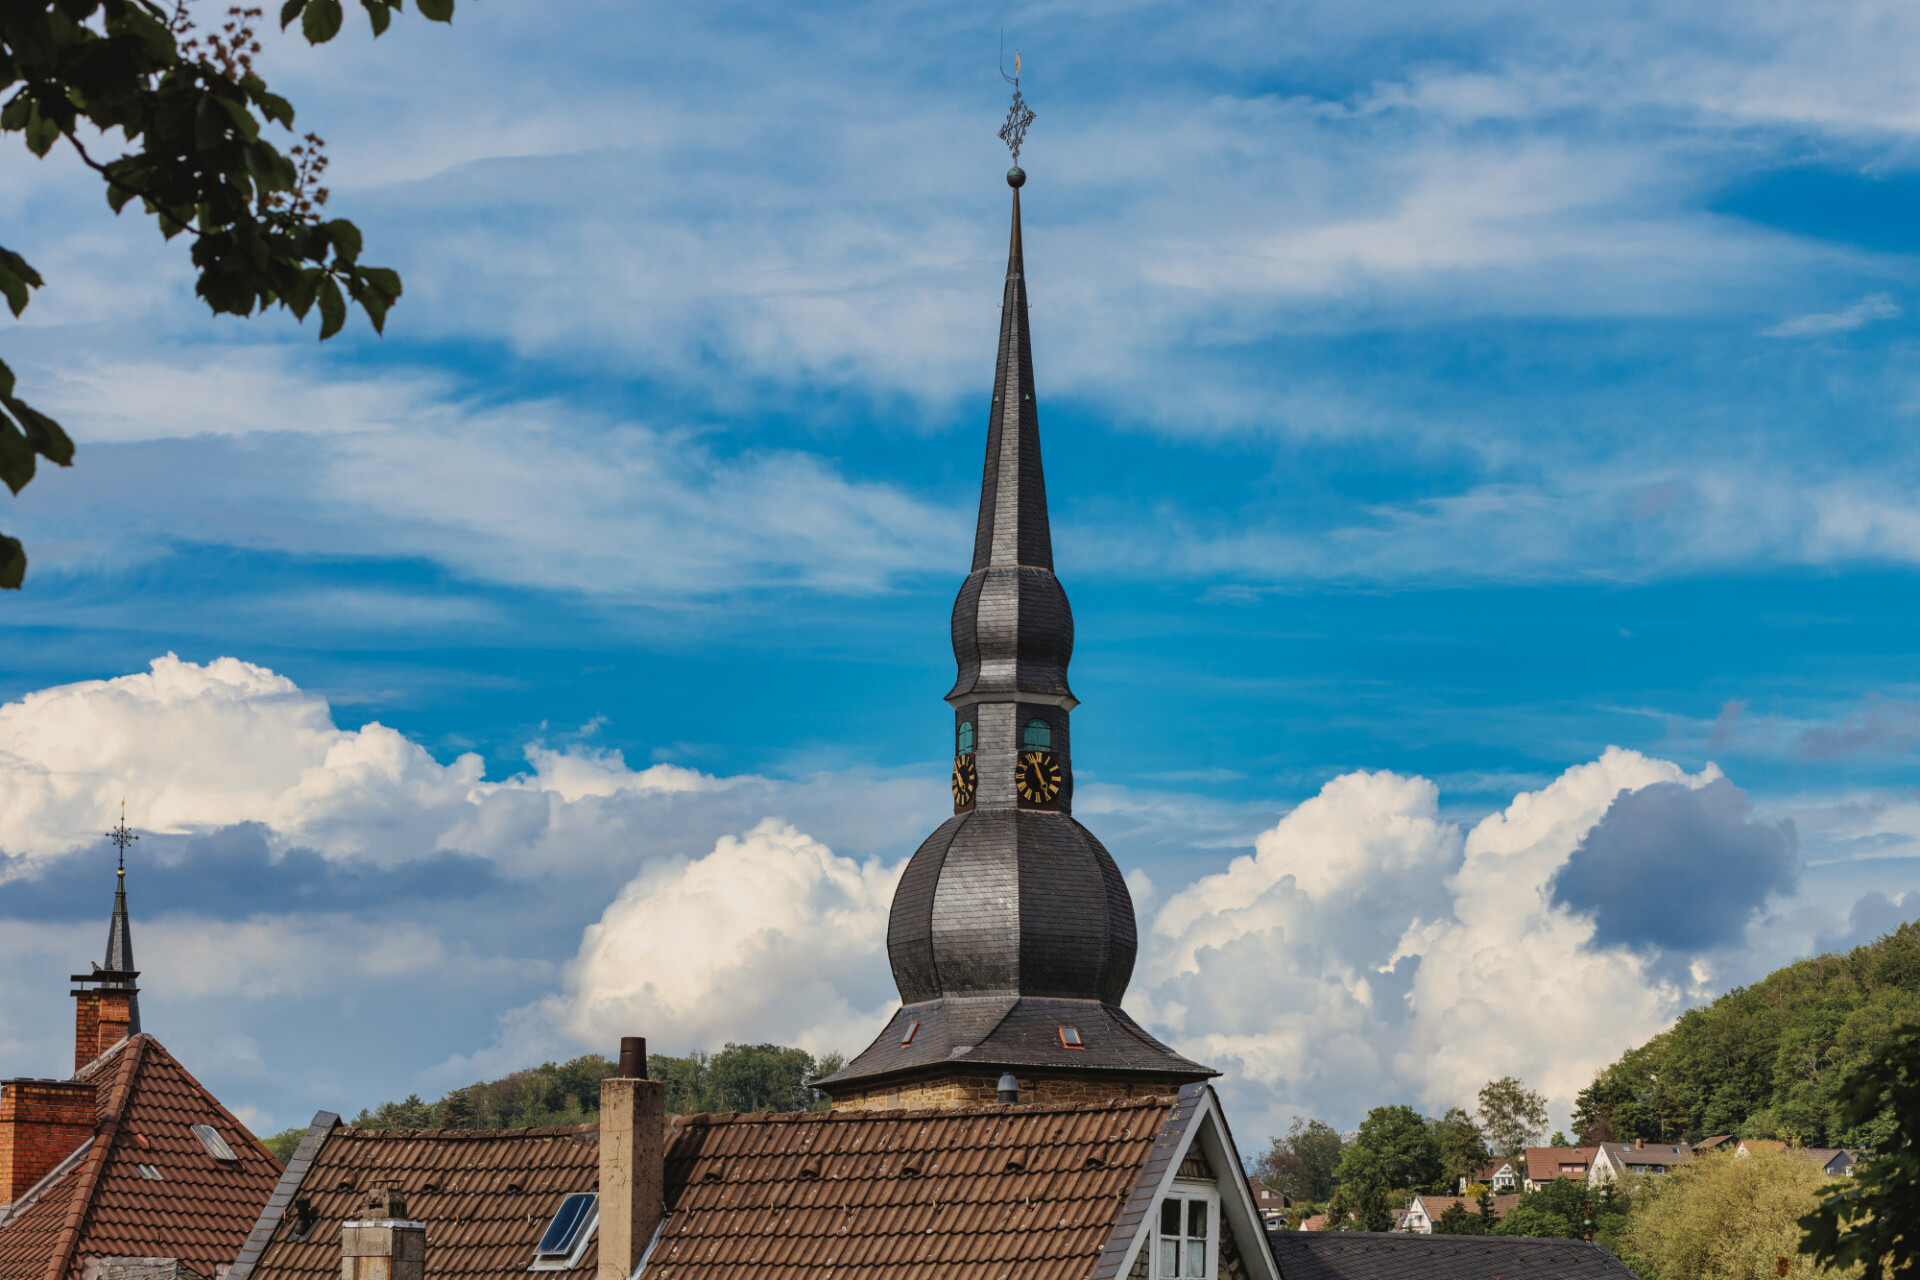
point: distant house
(1497, 1175)
(1273, 1205)
(1613, 1159)
(1711, 1144)
(1545, 1164)
(1318, 1222)
(1835, 1162)
(1104, 1190)
(1423, 1215)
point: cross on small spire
(123, 836)
(1019, 115)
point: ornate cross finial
(123, 836)
(1019, 115)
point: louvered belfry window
(1039, 736)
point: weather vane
(1019, 115)
(123, 836)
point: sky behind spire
(1436, 398)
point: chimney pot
(1009, 1087)
(633, 1116)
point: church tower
(1012, 933)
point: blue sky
(1447, 390)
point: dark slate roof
(1361, 1255)
(96, 1203)
(1037, 1192)
(485, 1195)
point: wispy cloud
(1818, 324)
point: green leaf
(385, 279)
(378, 14)
(436, 10)
(20, 267)
(333, 308)
(242, 118)
(321, 22)
(15, 288)
(289, 11)
(43, 433)
(13, 563)
(42, 132)
(14, 116)
(16, 457)
(275, 108)
(6, 379)
(346, 240)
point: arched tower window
(963, 739)
(1039, 736)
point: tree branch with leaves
(195, 119)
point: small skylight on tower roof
(215, 1144)
(1070, 1038)
(565, 1238)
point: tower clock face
(1038, 777)
(964, 781)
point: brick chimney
(633, 1114)
(42, 1122)
(102, 1014)
(382, 1244)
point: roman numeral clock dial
(1038, 777)
(964, 781)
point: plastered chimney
(633, 1112)
(382, 1244)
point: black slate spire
(1013, 492)
(1012, 935)
(120, 928)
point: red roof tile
(97, 1204)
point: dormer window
(1038, 737)
(963, 739)
(565, 1238)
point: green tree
(1394, 1149)
(283, 1142)
(195, 119)
(1513, 1117)
(410, 1113)
(1722, 1217)
(1559, 1139)
(1556, 1209)
(761, 1077)
(1304, 1162)
(1873, 1221)
(1458, 1220)
(1463, 1148)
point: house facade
(1835, 1162)
(129, 1160)
(1422, 1216)
(1548, 1164)
(1612, 1160)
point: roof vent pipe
(1009, 1087)
(633, 1057)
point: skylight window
(150, 1172)
(913, 1029)
(1070, 1038)
(215, 1144)
(566, 1236)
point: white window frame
(1206, 1191)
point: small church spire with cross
(120, 929)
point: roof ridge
(105, 1130)
(469, 1135)
(1145, 1102)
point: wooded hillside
(1764, 1061)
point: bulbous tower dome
(1012, 934)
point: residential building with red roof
(130, 1156)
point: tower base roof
(1018, 1032)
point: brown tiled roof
(1708, 1144)
(1543, 1163)
(1033, 1191)
(1662, 1153)
(1360, 1255)
(486, 1196)
(1437, 1205)
(97, 1204)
